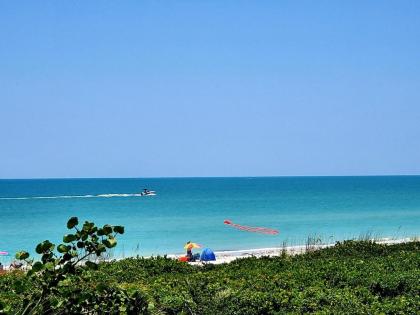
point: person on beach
(189, 251)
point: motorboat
(147, 192)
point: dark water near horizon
(333, 208)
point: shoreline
(227, 256)
(231, 255)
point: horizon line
(242, 176)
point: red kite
(262, 230)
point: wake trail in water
(75, 196)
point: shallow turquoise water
(332, 208)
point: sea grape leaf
(72, 222)
(69, 238)
(38, 266)
(107, 229)
(119, 229)
(22, 255)
(63, 248)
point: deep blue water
(333, 208)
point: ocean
(194, 209)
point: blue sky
(209, 88)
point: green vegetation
(353, 277)
(64, 282)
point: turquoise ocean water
(333, 208)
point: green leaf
(47, 257)
(113, 242)
(119, 229)
(110, 242)
(47, 246)
(107, 229)
(87, 226)
(38, 248)
(69, 238)
(72, 222)
(63, 248)
(49, 266)
(22, 255)
(38, 266)
(67, 257)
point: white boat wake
(79, 196)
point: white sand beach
(229, 256)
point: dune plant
(62, 277)
(352, 277)
(312, 243)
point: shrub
(63, 280)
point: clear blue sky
(209, 88)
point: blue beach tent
(207, 255)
